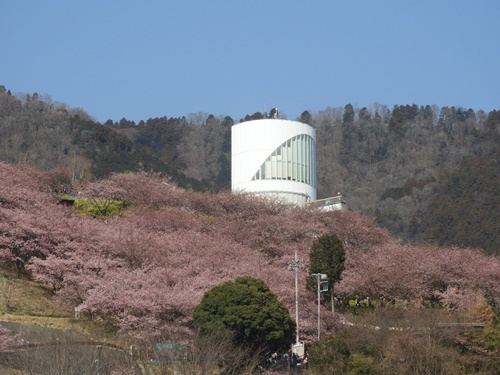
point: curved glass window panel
(293, 160)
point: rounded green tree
(246, 309)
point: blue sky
(143, 59)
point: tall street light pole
(294, 265)
(322, 280)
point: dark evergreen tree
(347, 146)
(402, 118)
(306, 118)
(246, 309)
(348, 117)
(364, 117)
(327, 257)
(257, 116)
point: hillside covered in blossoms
(145, 267)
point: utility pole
(322, 280)
(294, 265)
(98, 361)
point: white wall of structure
(274, 157)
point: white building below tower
(274, 157)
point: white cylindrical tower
(274, 157)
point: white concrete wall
(252, 143)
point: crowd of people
(288, 360)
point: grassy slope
(31, 304)
(28, 308)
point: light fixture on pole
(322, 280)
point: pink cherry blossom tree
(147, 269)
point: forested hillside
(416, 169)
(424, 173)
(37, 132)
